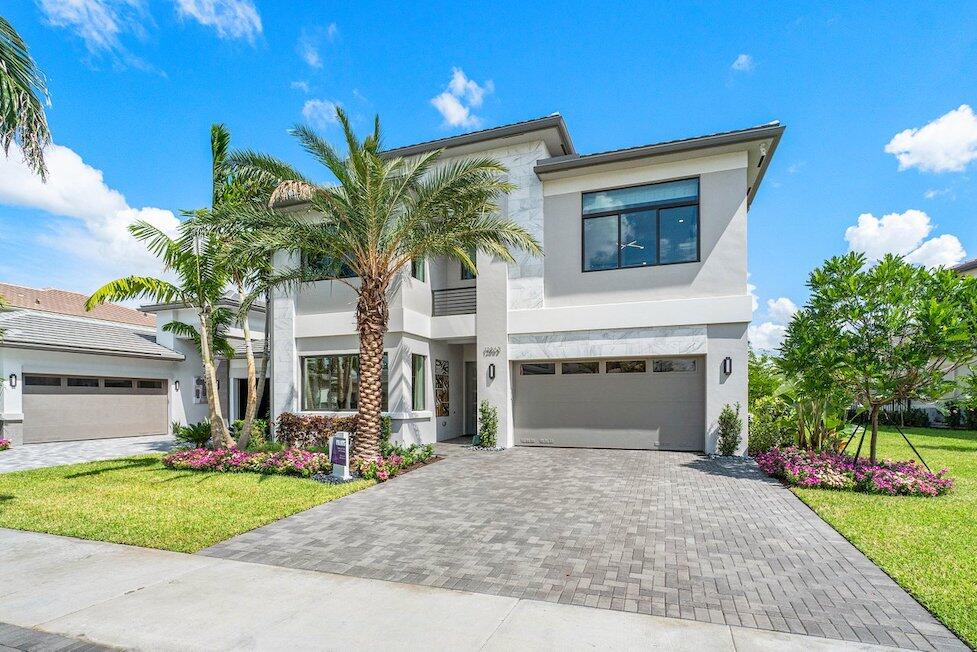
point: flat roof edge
(484, 135)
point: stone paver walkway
(667, 534)
(35, 456)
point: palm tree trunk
(252, 405)
(265, 352)
(219, 435)
(371, 321)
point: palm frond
(22, 87)
(135, 287)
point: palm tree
(22, 87)
(201, 280)
(383, 212)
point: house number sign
(491, 351)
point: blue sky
(135, 85)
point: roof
(561, 143)
(257, 346)
(771, 132)
(230, 299)
(64, 302)
(965, 266)
(37, 330)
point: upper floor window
(656, 224)
(326, 267)
(468, 274)
(417, 269)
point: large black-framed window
(331, 383)
(641, 226)
(324, 266)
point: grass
(136, 500)
(926, 544)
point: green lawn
(928, 545)
(136, 500)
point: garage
(69, 408)
(637, 403)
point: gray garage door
(68, 408)
(653, 403)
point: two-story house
(631, 331)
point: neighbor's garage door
(654, 403)
(68, 408)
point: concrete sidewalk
(138, 598)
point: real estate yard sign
(339, 455)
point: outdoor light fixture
(727, 365)
(13, 380)
(176, 385)
(491, 371)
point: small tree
(763, 375)
(730, 426)
(884, 333)
(488, 425)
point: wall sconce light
(727, 365)
(13, 380)
(491, 372)
(176, 385)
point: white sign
(339, 449)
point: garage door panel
(650, 410)
(70, 414)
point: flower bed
(399, 460)
(290, 461)
(831, 470)
(4, 444)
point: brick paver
(35, 456)
(669, 534)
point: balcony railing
(456, 301)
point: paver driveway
(35, 456)
(670, 534)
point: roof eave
(14, 344)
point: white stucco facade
(549, 308)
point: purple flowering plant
(828, 469)
(4, 444)
(291, 461)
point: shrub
(772, 423)
(386, 428)
(830, 470)
(911, 418)
(195, 436)
(290, 461)
(258, 429)
(488, 425)
(730, 427)
(384, 467)
(311, 430)
(4, 444)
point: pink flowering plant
(828, 469)
(4, 444)
(398, 458)
(291, 461)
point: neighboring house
(629, 333)
(70, 374)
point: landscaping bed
(927, 545)
(289, 461)
(138, 501)
(4, 444)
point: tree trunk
(371, 321)
(265, 352)
(252, 406)
(875, 432)
(219, 435)
(801, 435)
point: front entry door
(471, 397)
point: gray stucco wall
(720, 272)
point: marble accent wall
(677, 340)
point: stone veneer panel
(678, 340)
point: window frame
(638, 208)
(418, 387)
(384, 385)
(418, 269)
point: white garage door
(68, 408)
(652, 403)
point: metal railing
(456, 301)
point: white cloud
(933, 193)
(101, 24)
(320, 113)
(462, 95)
(743, 63)
(903, 234)
(944, 250)
(767, 336)
(946, 144)
(301, 86)
(753, 296)
(781, 310)
(231, 19)
(310, 41)
(99, 215)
